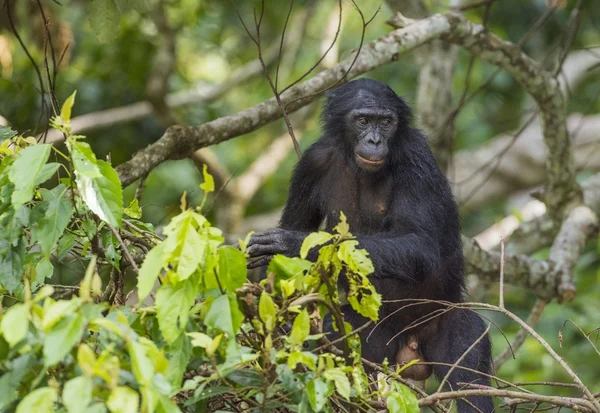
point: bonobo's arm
(301, 214)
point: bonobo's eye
(385, 123)
(362, 121)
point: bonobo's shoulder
(318, 156)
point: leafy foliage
(208, 334)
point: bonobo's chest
(365, 202)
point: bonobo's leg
(457, 331)
(376, 348)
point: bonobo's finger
(264, 237)
(258, 250)
(262, 261)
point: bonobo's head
(366, 116)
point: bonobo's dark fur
(372, 165)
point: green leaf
(357, 259)
(28, 165)
(342, 228)
(267, 310)
(342, 384)
(140, 363)
(232, 267)
(65, 111)
(133, 210)
(43, 270)
(6, 133)
(123, 399)
(312, 240)
(402, 400)
(103, 194)
(51, 227)
(61, 338)
(57, 310)
(173, 303)
(149, 271)
(39, 401)
(105, 19)
(301, 328)
(318, 392)
(285, 267)
(303, 357)
(11, 265)
(224, 315)
(77, 394)
(84, 160)
(46, 173)
(200, 339)
(209, 183)
(15, 323)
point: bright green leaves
(65, 111)
(102, 194)
(300, 328)
(123, 399)
(24, 172)
(267, 310)
(318, 391)
(357, 260)
(173, 303)
(40, 401)
(224, 315)
(63, 121)
(341, 381)
(232, 267)
(150, 270)
(104, 19)
(77, 394)
(401, 399)
(313, 240)
(15, 323)
(56, 217)
(62, 337)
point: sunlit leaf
(209, 183)
(232, 268)
(173, 303)
(300, 328)
(15, 323)
(224, 315)
(123, 399)
(39, 401)
(267, 310)
(65, 111)
(77, 394)
(28, 165)
(342, 383)
(313, 240)
(133, 210)
(149, 271)
(47, 231)
(103, 194)
(61, 338)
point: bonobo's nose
(374, 139)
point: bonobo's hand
(271, 242)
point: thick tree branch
(562, 191)
(179, 142)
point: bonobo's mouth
(370, 163)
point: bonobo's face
(371, 128)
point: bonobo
(374, 166)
